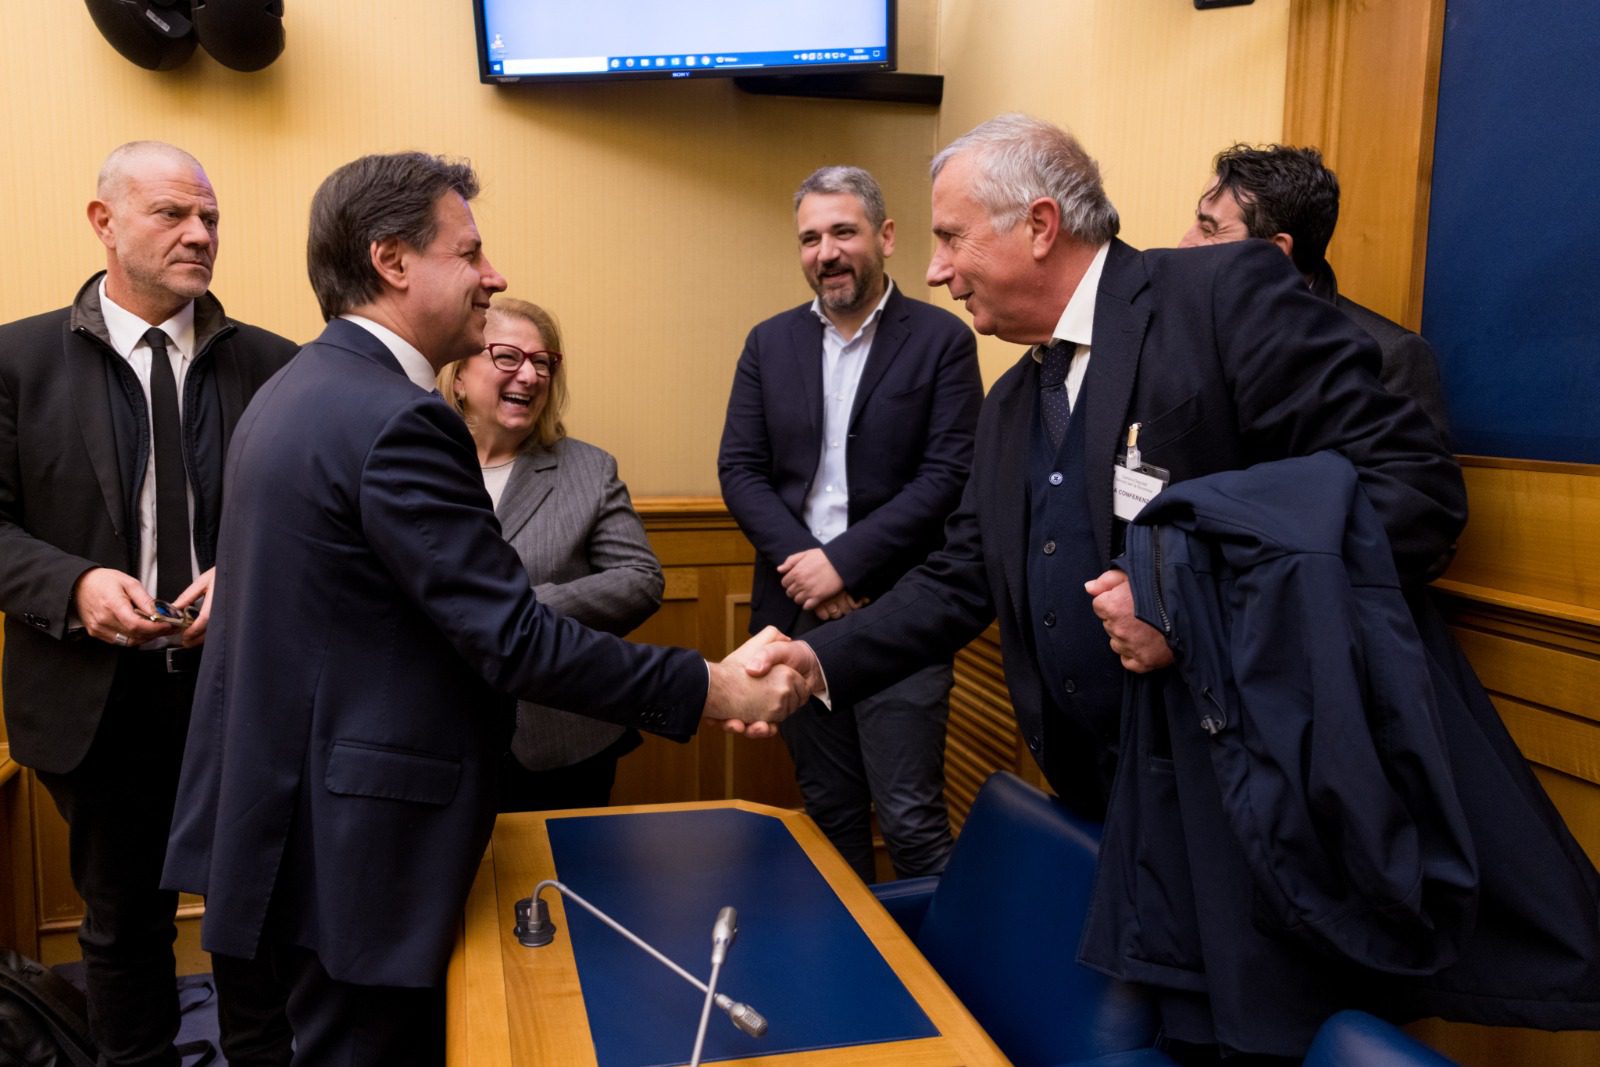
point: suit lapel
(1009, 477)
(807, 338)
(532, 478)
(1121, 318)
(92, 382)
(890, 338)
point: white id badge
(1131, 489)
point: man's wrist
(819, 683)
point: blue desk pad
(799, 957)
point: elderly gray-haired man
(1222, 358)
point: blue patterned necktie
(1053, 403)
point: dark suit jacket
(1227, 360)
(1408, 367)
(337, 787)
(568, 516)
(907, 456)
(72, 454)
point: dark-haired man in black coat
(1289, 197)
(1202, 361)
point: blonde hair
(548, 428)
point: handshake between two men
(768, 677)
(761, 683)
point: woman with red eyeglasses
(565, 511)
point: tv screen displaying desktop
(623, 40)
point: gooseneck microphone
(535, 928)
(722, 934)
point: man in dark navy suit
(1202, 360)
(848, 438)
(337, 793)
(1289, 197)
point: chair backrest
(1003, 927)
(1356, 1039)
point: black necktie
(1053, 405)
(173, 567)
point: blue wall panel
(1512, 300)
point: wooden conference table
(815, 953)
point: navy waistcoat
(1082, 676)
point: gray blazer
(568, 516)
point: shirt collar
(1077, 320)
(126, 330)
(411, 360)
(871, 320)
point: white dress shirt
(827, 505)
(411, 360)
(1077, 324)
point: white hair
(1020, 159)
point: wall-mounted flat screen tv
(623, 40)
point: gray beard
(850, 301)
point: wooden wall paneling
(661, 770)
(1534, 533)
(1554, 740)
(1497, 1046)
(1550, 665)
(1315, 71)
(708, 564)
(1363, 87)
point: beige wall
(1153, 88)
(652, 217)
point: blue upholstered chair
(1356, 1039)
(1001, 926)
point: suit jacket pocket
(1168, 426)
(915, 391)
(365, 770)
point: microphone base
(534, 928)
